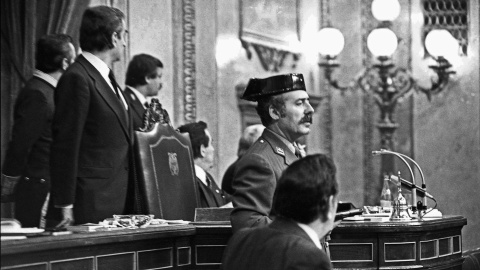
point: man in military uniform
(285, 111)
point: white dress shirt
(104, 71)
(42, 75)
(201, 174)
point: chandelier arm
(443, 77)
(329, 67)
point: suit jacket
(28, 152)
(210, 196)
(92, 145)
(280, 245)
(256, 176)
(136, 107)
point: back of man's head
(198, 136)
(98, 25)
(249, 136)
(51, 50)
(304, 189)
(141, 66)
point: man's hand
(8, 187)
(67, 218)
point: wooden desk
(434, 244)
(148, 248)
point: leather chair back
(165, 173)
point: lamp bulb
(382, 42)
(440, 42)
(385, 10)
(330, 41)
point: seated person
(210, 194)
(305, 205)
(249, 136)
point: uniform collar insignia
(280, 151)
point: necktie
(114, 84)
(297, 151)
(209, 181)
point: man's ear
(274, 113)
(65, 64)
(114, 39)
(202, 150)
(332, 202)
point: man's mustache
(307, 118)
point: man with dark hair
(210, 194)
(305, 204)
(144, 79)
(285, 111)
(92, 135)
(249, 136)
(26, 170)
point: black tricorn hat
(275, 85)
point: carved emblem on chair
(173, 163)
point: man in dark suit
(306, 204)
(210, 194)
(92, 145)
(143, 79)
(285, 111)
(27, 161)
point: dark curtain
(22, 23)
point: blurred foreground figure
(306, 204)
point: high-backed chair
(165, 170)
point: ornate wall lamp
(383, 80)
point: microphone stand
(424, 186)
(414, 189)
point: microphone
(414, 193)
(424, 186)
(396, 179)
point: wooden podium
(427, 244)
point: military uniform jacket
(256, 176)
(92, 145)
(280, 245)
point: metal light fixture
(383, 80)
